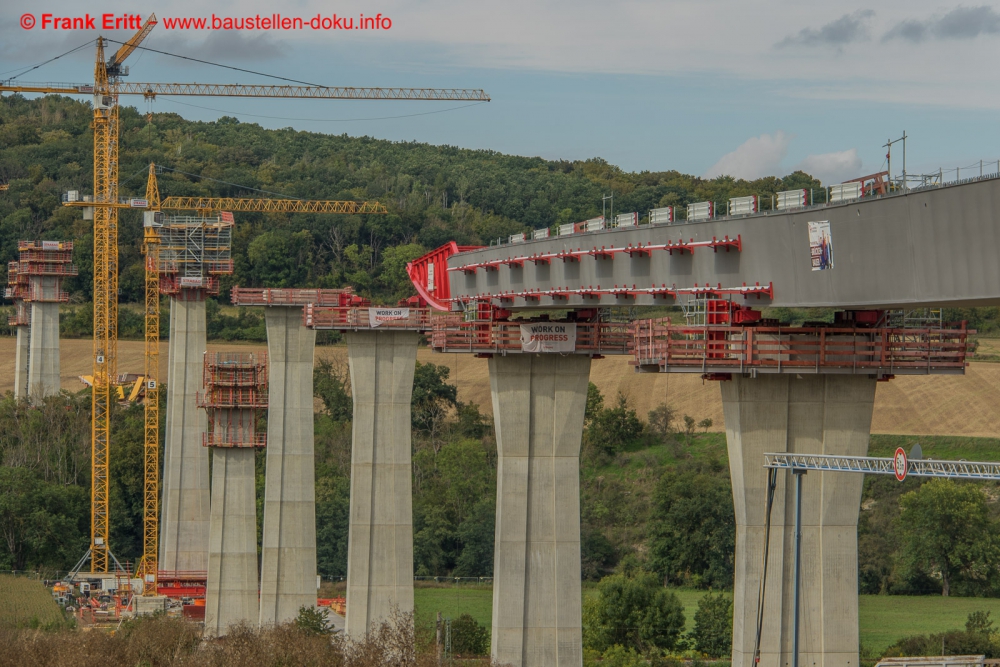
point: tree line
(434, 194)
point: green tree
(946, 527)
(661, 420)
(614, 429)
(433, 398)
(476, 534)
(595, 402)
(632, 611)
(331, 384)
(279, 258)
(693, 530)
(713, 625)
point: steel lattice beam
(981, 470)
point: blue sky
(705, 87)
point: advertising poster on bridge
(378, 316)
(548, 337)
(820, 245)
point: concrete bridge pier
(231, 595)
(814, 414)
(21, 361)
(288, 551)
(538, 406)
(380, 543)
(43, 356)
(186, 497)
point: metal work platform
(194, 251)
(268, 296)
(662, 347)
(235, 397)
(366, 318)
(517, 337)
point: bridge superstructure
(933, 246)
(537, 307)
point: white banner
(378, 316)
(548, 337)
(820, 246)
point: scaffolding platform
(194, 251)
(489, 337)
(270, 296)
(38, 260)
(718, 351)
(367, 318)
(235, 398)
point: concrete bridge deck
(937, 246)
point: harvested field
(914, 405)
(26, 603)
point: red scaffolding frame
(658, 345)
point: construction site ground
(915, 405)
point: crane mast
(149, 566)
(106, 89)
(105, 304)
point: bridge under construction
(540, 309)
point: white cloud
(832, 167)
(756, 157)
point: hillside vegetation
(434, 193)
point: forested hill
(434, 193)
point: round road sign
(899, 464)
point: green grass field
(27, 604)
(884, 619)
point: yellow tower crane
(106, 89)
(152, 205)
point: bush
(612, 430)
(468, 637)
(313, 621)
(713, 626)
(632, 611)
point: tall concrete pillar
(538, 408)
(21, 360)
(380, 542)
(288, 552)
(231, 595)
(186, 501)
(43, 355)
(813, 414)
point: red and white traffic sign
(899, 464)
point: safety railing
(46, 267)
(255, 296)
(370, 317)
(506, 337)
(232, 369)
(235, 440)
(232, 397)
(776, 349)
